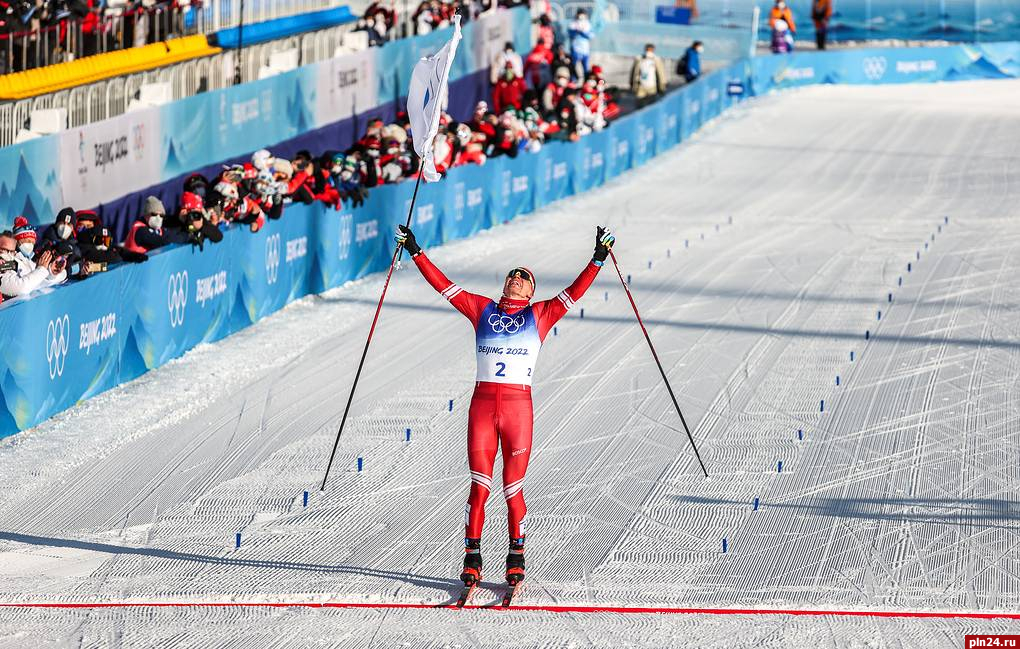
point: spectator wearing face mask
(20, 275)
(147, 232)
(506, 56)
(508, 91)
(62, 228)
(689, 65)
(580, 43)
(647, 76)
(553, 92)
(26, 237)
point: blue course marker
(947, 220)
(407, 434)
(306, 499)
(800, 436)
(451, 405)
(628, 279)
(880, 314)
(667, 253)
(867, 334)
(649, 264)
(851, 357)
(582, 313)
(361, 463)
(780, 467)
(821, 408)
(687, 243)
(908, 267)
(837, 379)
(919, 254)
(237, 540)
(724, 545)
(756, 503)
(554, 331)
(890, 298)
(901, 281)
(607, 296)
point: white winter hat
(262, 159)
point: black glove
(405, 238)
(604, 240)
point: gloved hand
(405, 238)
(604, 240)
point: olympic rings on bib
(502, 323)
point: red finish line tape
(641, 610)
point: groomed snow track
(762, 254)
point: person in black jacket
(192, 222)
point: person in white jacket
(19, 275)
(504, 56)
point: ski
(465, 594)
(508, 597)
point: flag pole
(428, 89)
(364, 353)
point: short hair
(6, 234)
(649, 46)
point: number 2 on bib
(501, 367)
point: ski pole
(361, 364)
(656, 357)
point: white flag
(425, 99)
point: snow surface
(900, 496)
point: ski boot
(472, 572)
(515, 562)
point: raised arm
(549, 312)
(469, 304)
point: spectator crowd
(550, 93)
(382, 22)
(35, 33)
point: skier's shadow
(449, 585)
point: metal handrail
(108, 98)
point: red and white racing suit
(508, 336)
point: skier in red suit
(508, 336)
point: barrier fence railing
(101, 100)
(39, 40)
(77, 341)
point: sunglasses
(520, 272)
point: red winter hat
(86, 215)
(191, 202)
(23, 231)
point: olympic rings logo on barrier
(874, 67)
(177, 297)
(57, 334)
(505, 323)
(272, 258)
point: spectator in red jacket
(537, 65)
(509, 90)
